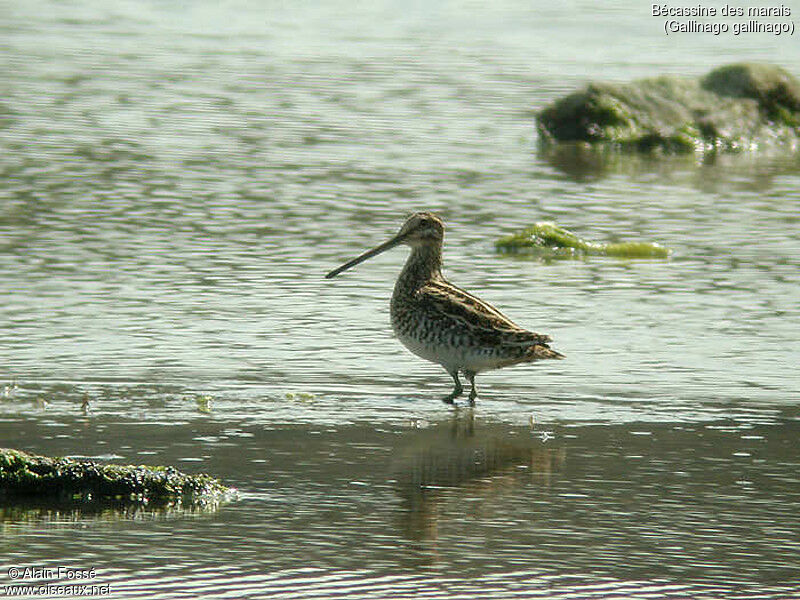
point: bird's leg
(457, 390)
(473, 393)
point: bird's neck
(423, 264)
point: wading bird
(444, 324)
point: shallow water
(177, 180)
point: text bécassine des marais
(665, 10)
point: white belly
(450, 357)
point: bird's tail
(533, 353)
(542, 351)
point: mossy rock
(774, 89)
(549, 237)
(31, 476)
(733, 108)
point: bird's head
(420, 229)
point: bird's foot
(472, 395)
(457, 389)
(450, 398)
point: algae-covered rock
(774, 89)
(24, 475)
(549, 237)
(733, 108)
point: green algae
(731, 109)
(204, 404)
(299, 397)
(549, 237)
(30, 476)
(634, 250)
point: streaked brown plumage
(443, 323)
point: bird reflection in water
(463, 460)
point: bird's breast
(436, 339)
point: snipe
(444, 324)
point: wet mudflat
(463, 505)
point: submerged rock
(24, 475)
(733, 108)
(550, 237)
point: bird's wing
(472, 314)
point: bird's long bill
(368, 254)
